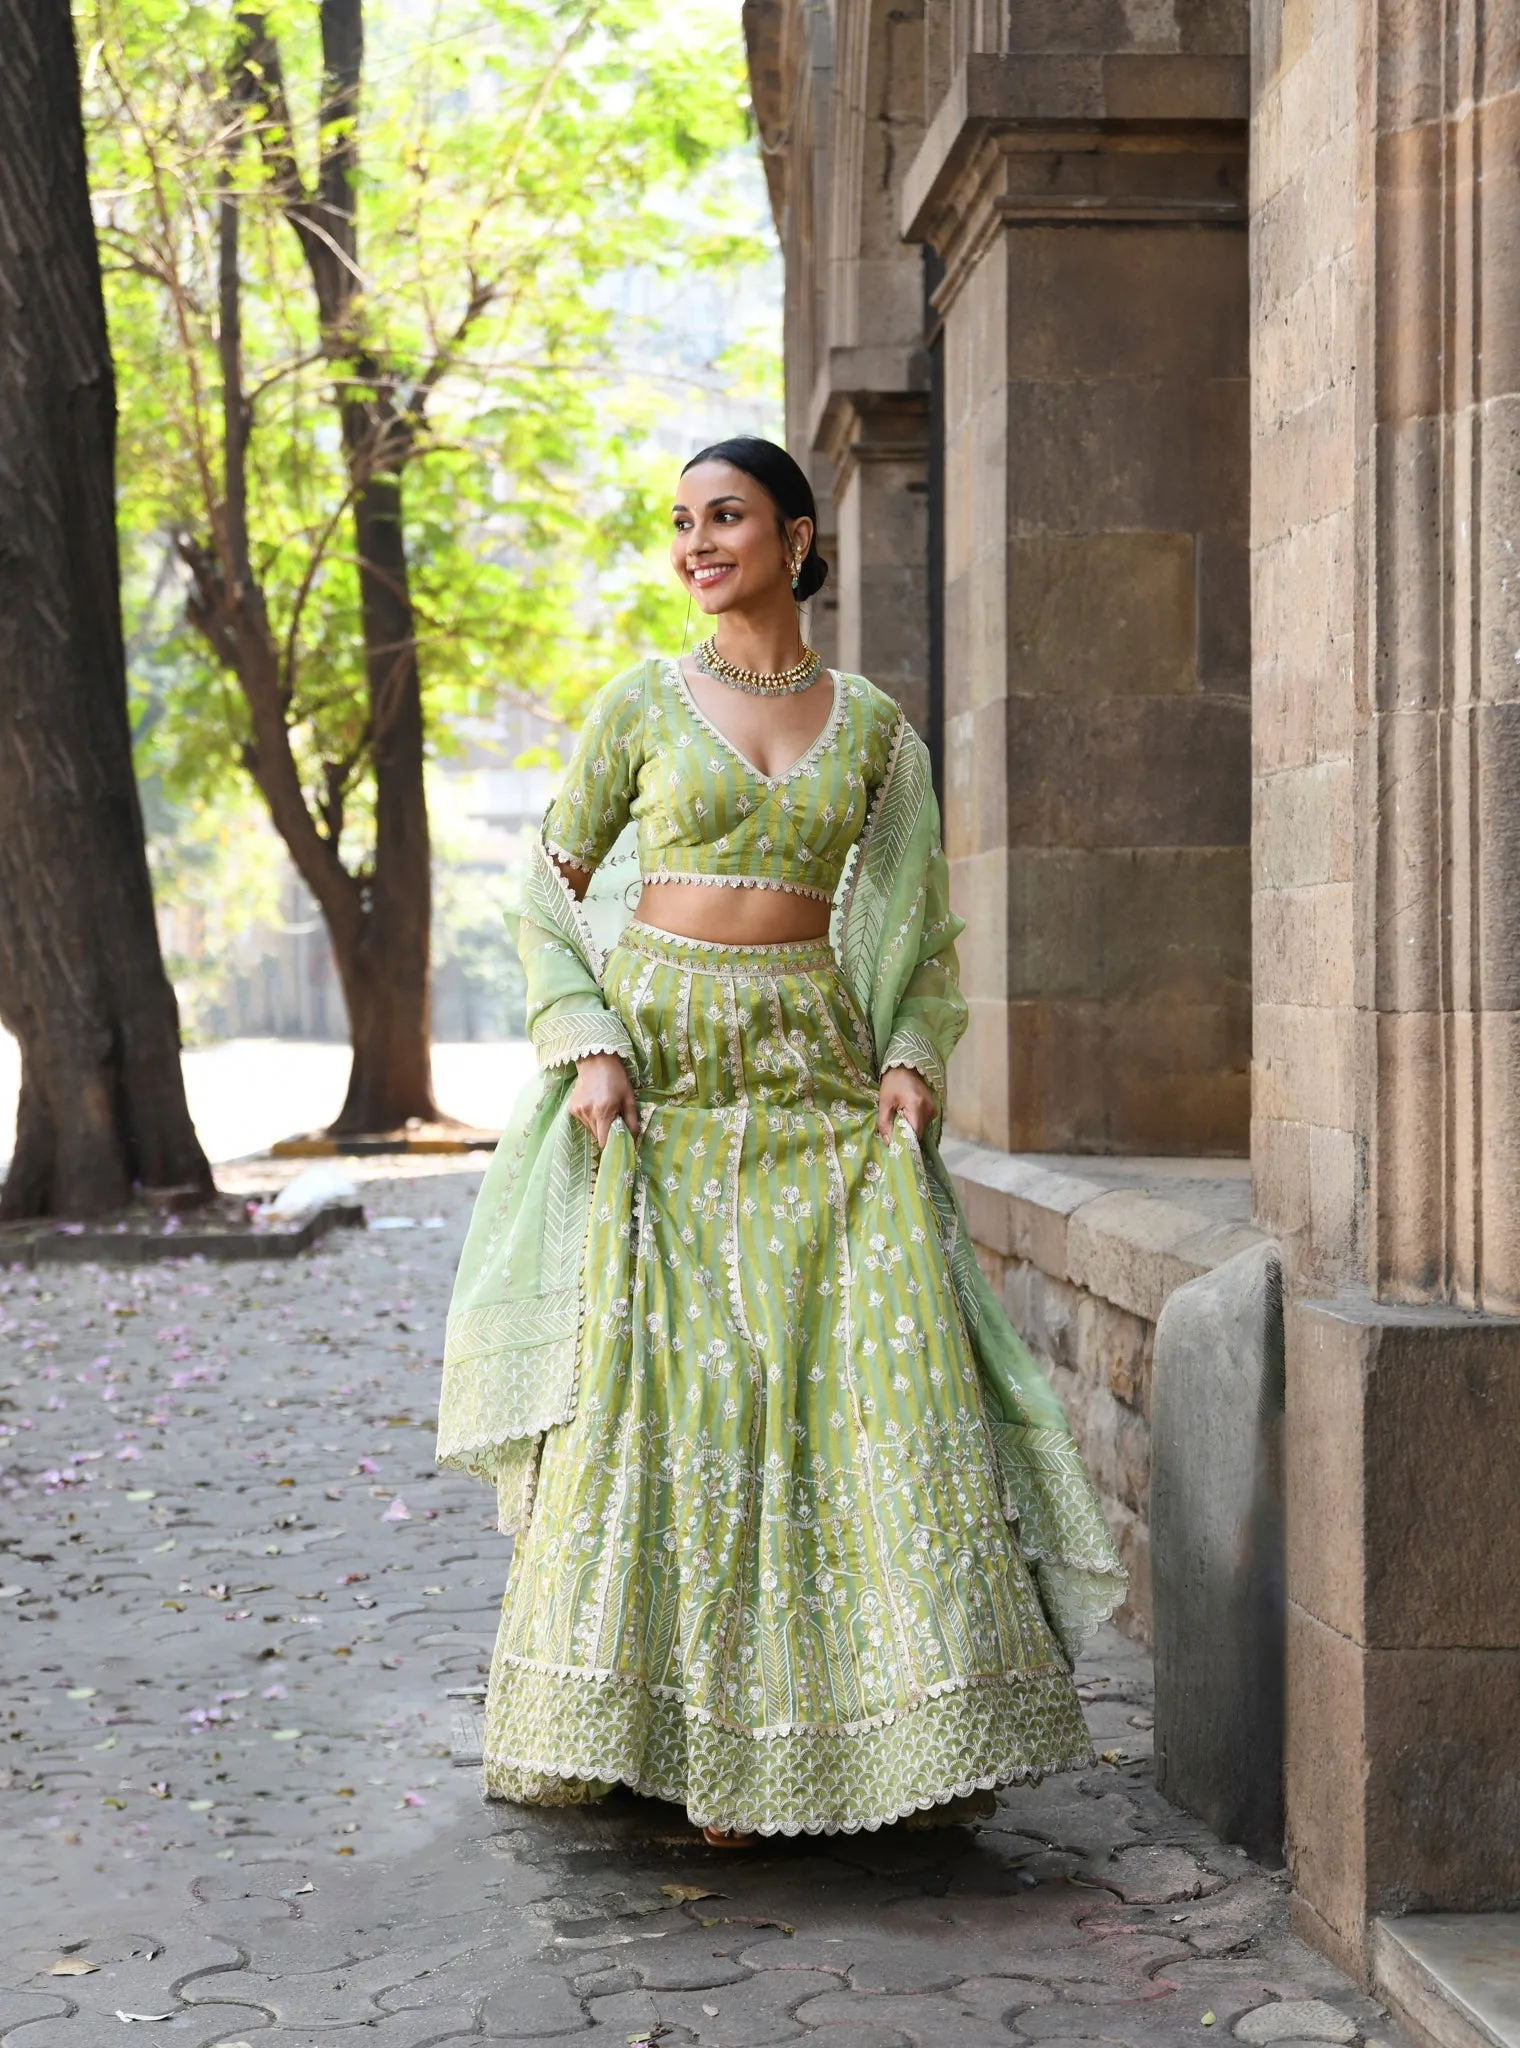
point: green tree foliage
(330, 272)
(516, 161)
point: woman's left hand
(904, 1092)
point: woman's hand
(905, 1092)
(603, 1092)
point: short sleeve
(592, 804)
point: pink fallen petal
(398, 1511)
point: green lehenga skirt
(767, 1572)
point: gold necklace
(757, 681)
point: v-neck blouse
(704, 812)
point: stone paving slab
(242, 1613)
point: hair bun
(812, 576)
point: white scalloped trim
(563, 853)
(738, 882)
(818, 950)
(562, 1040)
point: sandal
(727, 1838)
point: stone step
(1451, 1979)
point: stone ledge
(1451, 1979)
(1039, 90)
(1127, 1230)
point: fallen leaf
(199, 1805)
(159, 1548)
(141, 1493)
(302, 1889)
(711, 2011)
(689, 1891)
(1111, 1756)
(73, 1966)
(344, 1851)
(80, 1692)
(284, 1734)
(1208, 2019)
(130, 2016)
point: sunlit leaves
(526, 158)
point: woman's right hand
(602, 1093)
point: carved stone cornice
(888, 387)
(1071, 141)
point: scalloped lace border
(738, 882)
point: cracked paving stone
(761, 2009)
(928, 2020)
(687, 1966)
(1295, 2019)
(834, 1954)
(1000, 1999)
(534, 2006)
(27, 2008)
(863, 2034)
(1155, 1875)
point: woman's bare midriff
(732, 917)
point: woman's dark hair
(775, 471)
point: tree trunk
(386, 971)
(82, 983)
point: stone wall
(1088, 213)
(1084, 1253)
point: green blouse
(704, 813)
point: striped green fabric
(768, 1571)
(706, 814)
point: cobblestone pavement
(235, 1600)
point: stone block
(1442, 1781)
(1102, 455)
(1324, 1761)
(1452, 1979)
(1303, 949)
(1303, 1064)
(1495, 779)
(1305, 467)
(1139, 87)
(1498, 520)
(1411, 281)
(1097, 615)
(1224, 612)
(1126, 300)
(1301, 826)
(1303, 606)
(1216, 1540)
(1385, 1406)
(1131, 772)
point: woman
(803, 1542)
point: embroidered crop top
(705, 813)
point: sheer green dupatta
(512, 1342)
(895, 933)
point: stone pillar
(1386, 1144)
(1088, 205)
(877, 440)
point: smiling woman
(803, 1540)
